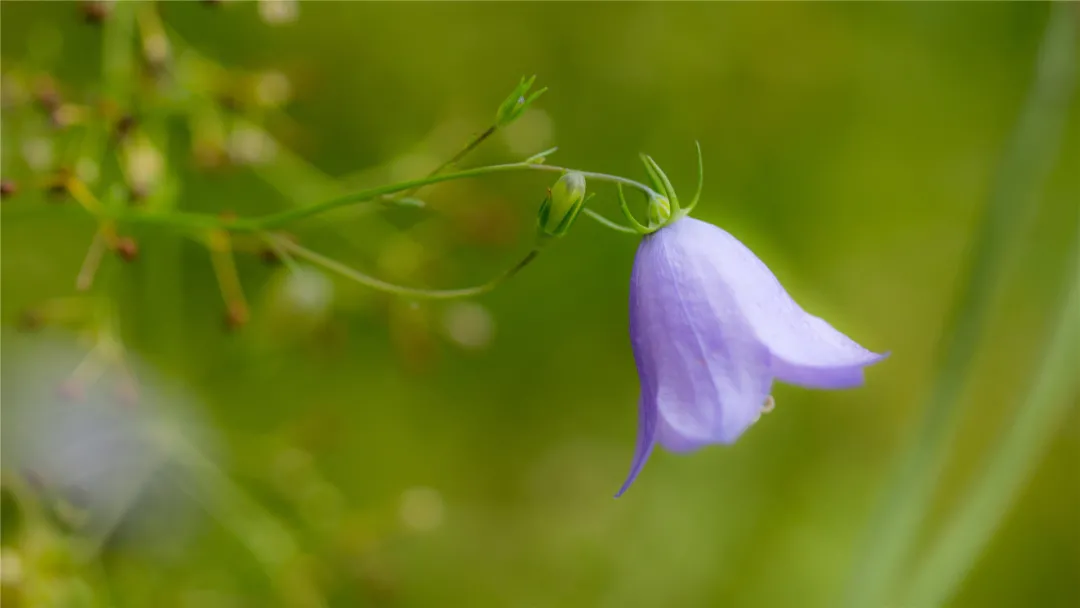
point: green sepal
(517, 102)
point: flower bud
(517, 102)
(659, 210)
(562, 205)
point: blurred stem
(1027, 160)
(374, 283)
(118, 58)
(268, 540)
(1024, 440)
(91, 262)
(221, 257)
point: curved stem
(401, 290)
(197, 221)
(1028, 158)
(625, 207)
(276, 220)
(1023, 441)
(610, 224)
(700, 180)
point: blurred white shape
(530, 133)
(298, 301)
(469, 325)
(86, 169)
(38, 152)
(273, 89)
(156, 47)
(89, 450)
(11, 568)
(250, 146)
(421, 509)
(144, 165)
(279, 12)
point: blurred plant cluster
(110, 464)
(118, 151)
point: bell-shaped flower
(711, 328)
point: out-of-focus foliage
(375, 451)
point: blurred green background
(453, 453)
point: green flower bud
(561, 207)
(659, 210)
(517, 102)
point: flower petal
(805, 350)
(645, 441)
(709, 373)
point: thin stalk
(1024, 440)
(277, 220)
(1028, 158)
(401, 290)
(198, 221)
(263, 535)
(455, 159)
(610, 224)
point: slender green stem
(1027, 160)
(268, 539)
(279, 251)
(700, 180)
(455, 159)
(277, 220)
(196, 221)
(401, 290)
(118, 58)
(1025, 438)
(625, 208)
(610, 224)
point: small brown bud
(208, 155)
(127, 248)
(30, 320)
(269, 256)
(237, 316)
(124, 126)
(95, 11)
(137, 194)
(57, 189)
(230, 102)
(46, 93)
(8, 188)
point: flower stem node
(659, 211)
(562, 205)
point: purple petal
(645, 442)
(709, 373)
(805, 349)
(711, 328)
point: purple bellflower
(712, 328)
